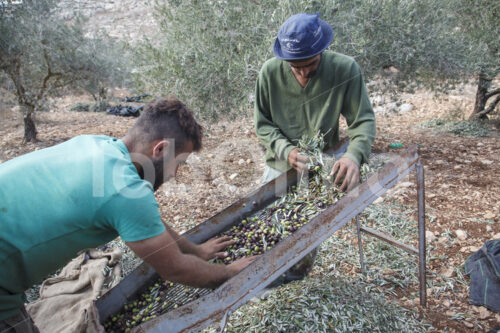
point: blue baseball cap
(302, 36)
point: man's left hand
(348, 168)
(213, 247)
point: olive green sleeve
(267, 131)
(360, 118)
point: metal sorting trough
(219, 304)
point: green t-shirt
(284, 111)
(60, 200)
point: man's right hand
(238, 265)
(297, 160)
(163, 253)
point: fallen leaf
(450, 313)
(448, 273)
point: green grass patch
(470, 129)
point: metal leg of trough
(421, 233)
(360, 245)
(223, 321)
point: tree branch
(489, 108)
(492, 93)
(47, 77)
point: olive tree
(209, 52)
(42, 55)
(480, 20)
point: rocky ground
(462, 184)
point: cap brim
(325, 42)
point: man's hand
(348, 168)
(238, 265)
(212, 248)
(297, 161)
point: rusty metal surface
(421, 233)
(389, 239)
(249, 282)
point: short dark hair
(168, 118)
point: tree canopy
(209, 52)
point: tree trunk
(481, 97)
(29, 128)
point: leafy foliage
(460, 128)
(209, 52)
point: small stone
(489, 215)
(392, 106)
(218, 181)
(429, 236)
(496, 236)
(241, 162)
(249, 161)
(480, 144)
(461, 234)
(469, 249)
(469, 325)
(234, 175)
(177, 218)
(483, 312)
(210, 155)
(489, 228)
(378, 200)
(377, 100)
(406, 107)
(446, 303)
(379, 109)
(487, 162)
(442, 240)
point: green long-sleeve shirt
(284, 111)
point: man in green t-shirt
(305, 89)
(88, 190)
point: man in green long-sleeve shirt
(305, 89)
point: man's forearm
(207, 275)
(185, 245)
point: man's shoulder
(339, 59)
(271, 65)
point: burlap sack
(66, 301)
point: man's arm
(360, 119)
(163, 253)
(267, 131)
(208, 250)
